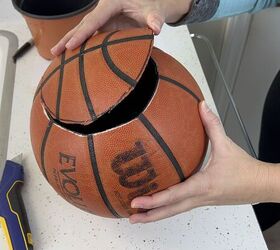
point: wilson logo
(135, 172)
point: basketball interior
(115, 119)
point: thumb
(212, 124)
(155, 21)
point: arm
(230, 8)
(230, 177)
(205, 10)
(273, 190)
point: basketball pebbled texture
(114, 59)
(102, 172)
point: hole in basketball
(128, 109)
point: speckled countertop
(57, 225)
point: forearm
(231, 8)
(205, 10)
(174, 11)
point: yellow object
(6, 232)
(29, 238)
(15, 213)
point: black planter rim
(54, 17)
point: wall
(214, 31)
(259, 65)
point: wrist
(175, 10)
(267, 182)
(272, 190)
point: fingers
(93, 21)
(165, 211)
(88, 26)
(159, 199)
(60, 46)
(212, 125)
(119, 22)
(155, 22)
(190, 188)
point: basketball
(116, 119)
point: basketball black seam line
(146, 61)
(122, 40)
(97, 177)
(113, 67)
(59, 90)
(167, 79)
(84, 84)
(51, 114)
(163, 145)
(43, 146)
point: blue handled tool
(13, 219)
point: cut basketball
(116, 119)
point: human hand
(231, 176)
(110, 15)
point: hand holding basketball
(230, 177)
(112, 15)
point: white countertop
(57, 225)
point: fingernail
(205, 106)
(70, 43)
(131, 221)
(53, 50)
(156, 26)
(136, 205)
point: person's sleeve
(205, 10)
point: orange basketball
(116, 119)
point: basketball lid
(83, 84)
